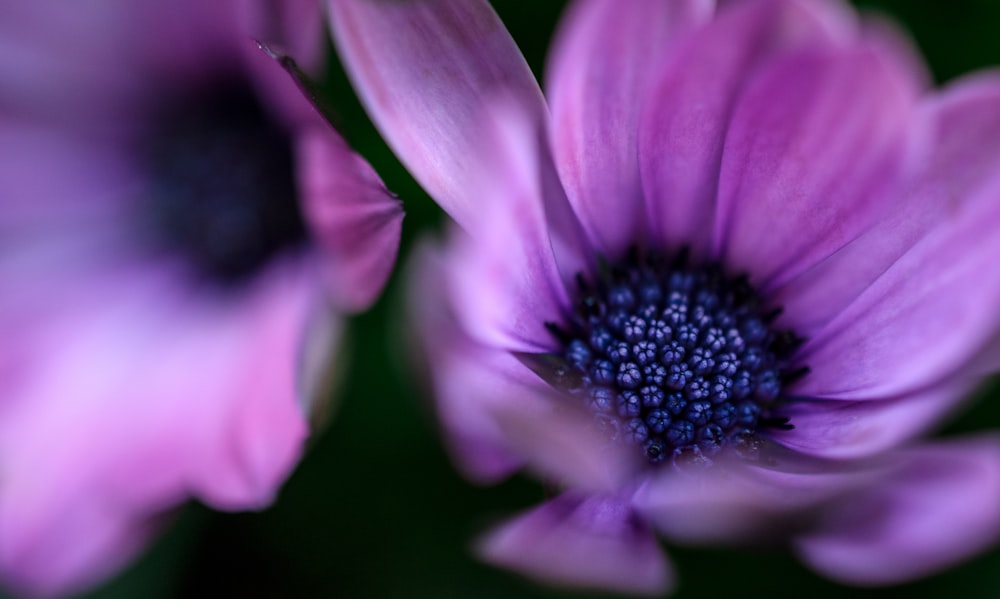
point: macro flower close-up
(716, 286)
(182, 235)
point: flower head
(181, 233)
(716, 289)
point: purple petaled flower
(714, 290)
(166, 313)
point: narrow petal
(507, 276)
(592, 542)
(844, 429)
(425, 70)
(683, 128)
(934, 306)
(815, 143)
(606, 56)
(356, 222)
(935, 507)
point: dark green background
(375, 509)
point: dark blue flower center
(222, 187)
(676, 358)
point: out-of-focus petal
(296, 26)
(934, 507)
(356, 222)
(136, 437)
(83, 49)
(935, 305)
(467, 377)
(603, 62)
(561, 442)
(816, 141)
(737, 499)
(897, 49)
(596, 542)
(426, 70)
(683, 128)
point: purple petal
(682, 131)
(356, 222)
(897, 49)
(936, 506)
(467, 376)
(740, 500)
(604, 60)
(935, 306)
(815, 142)
(507, 276)
(561, 443)
(426, 70)
(593, 543)
(843, 429)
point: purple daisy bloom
(166, 312)
(715, 290)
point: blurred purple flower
(166, 315)
(715, 290)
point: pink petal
(605, 57)
(426, 72)
(141, 401)
(936, 506)
(897, 49)
(815, 142)
(595, 543)
(935, 306)
(683, 129)
(356, 222)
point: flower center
(222, 187)
(675, 358)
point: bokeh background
(376, 510)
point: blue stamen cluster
(675, 358)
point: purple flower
(165, 312)
(715, 290)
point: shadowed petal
(356, 222)
(739, 499)
(425, 71)
(603, 62)
(936, 506)
(682, 130)
(935, 306)
(560, 442)
(591, 543)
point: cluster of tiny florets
(675, 358)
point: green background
(375, 509)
